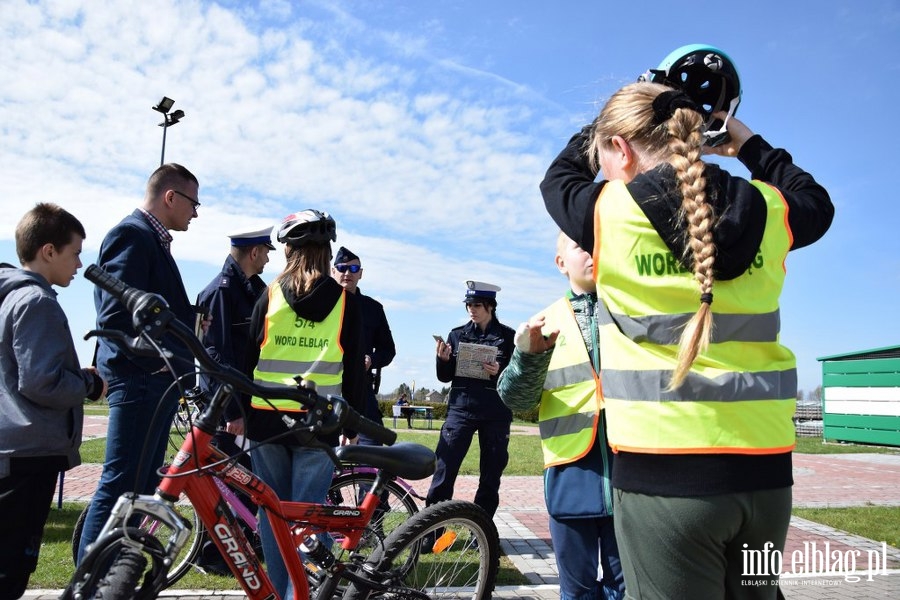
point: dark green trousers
(707, 547)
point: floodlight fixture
(164, 106)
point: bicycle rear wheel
(448, 550)
(188, 556)
(396, 507)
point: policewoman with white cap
(474, 404)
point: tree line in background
(811, 397)
(437, 399)
(415, 396)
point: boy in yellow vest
(555, 365)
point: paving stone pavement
(823, 480)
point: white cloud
(423, 162)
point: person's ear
(47, 252)
(622, 152)
(561, 264)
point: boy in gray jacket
(42, 387)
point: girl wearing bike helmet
(699, 394)
(305, 325)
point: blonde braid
(685, 146)
(629, 113)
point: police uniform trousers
(453, 445)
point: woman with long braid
(699, 394)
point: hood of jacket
(318, 303)
(12, 278)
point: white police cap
(479, 290)
(258, 237)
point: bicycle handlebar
(150, 312)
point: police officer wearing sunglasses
(378, 342)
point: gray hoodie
(42, 387)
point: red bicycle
(447, 550)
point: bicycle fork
(155, 508)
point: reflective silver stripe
(566, 425)
(322, 390)
(648, 386)
(666, 329)
(270, 365)
(572, 374)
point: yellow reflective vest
(570, 401)
(294, 346)
(739, 396)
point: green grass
(55, 565)
(524, 451)
(877, 523)
(809, 445)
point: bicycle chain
(403, 593)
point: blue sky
(425, 129)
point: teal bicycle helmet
(709, 77)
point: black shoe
(429, 539)
(210, 561)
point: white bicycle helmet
(308, 226)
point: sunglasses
(345, 268)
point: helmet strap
(720, 136)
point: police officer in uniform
(378, 342)
(229, 299)
(474, 404)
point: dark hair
(168, 176)
(46, 223)
(305, 265)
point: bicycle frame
(363, 469)
(192, 473)
(198, 465)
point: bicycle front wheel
(448, 550)
(188, 556)
(126, 565)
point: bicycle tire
(123, 576)
(462, 563)
(185, 560)
(118, 568)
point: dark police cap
(344, 256)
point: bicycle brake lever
(137, 345)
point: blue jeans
(297, 474)
(581, 545)
(136, 441)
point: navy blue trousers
(453, 445)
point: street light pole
(163, 107)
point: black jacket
(314, 306)
(570, 194)
(477, 398)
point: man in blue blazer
(141, 403)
